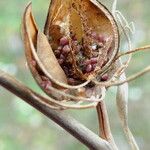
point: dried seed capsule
(82, 24)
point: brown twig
(147, 47)
(80, 132)
(104, 125)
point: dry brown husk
(63, 16)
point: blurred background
(24, 128)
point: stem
(104, 125)
(147, 47)
(131, 78)
(76, 129)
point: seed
(57, 53)
(78, 48)
(46, 84)
(64, 41)
(93, 60)
(109, 50)
(73, 36)
(94, 35)
(62, 57)
(104, 77)
(88, 68)
(66, 70)
(71, 81)
(33, 63)
(94, 66)
(60, 61)
(66, 49)
(75, 42)
(101, 38)
(60, 48)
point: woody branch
(76, 129)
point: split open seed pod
(79, 43)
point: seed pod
(72, 28)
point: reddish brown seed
(71, 81)
(94, 66)
(104, 77)
(109, 50)
(33, 63)
(88, 68)
(62, 57)
(94, 47)
(66, 70)
(93, 60)
(94, 35)
(101, 38)
(44, 78)
(90, 61)
(46, 84)
(66, 49)
(60, 61)
(75, 42)
(57, 53)
(64, 41)
(78, 48)
(59, 48)
(87, 62)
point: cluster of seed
(85, 64)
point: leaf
(122, 105)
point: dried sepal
(31, 38)
(29, 23)
(48, 59)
